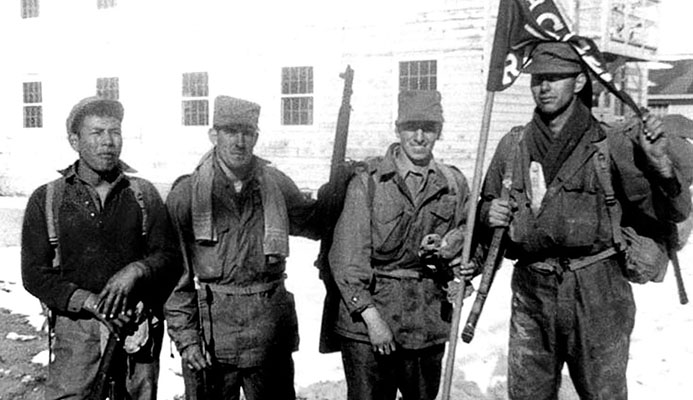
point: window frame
(418, 75)
(195, 99)
(30, 9)
(297, 106)
(108, 87)
(32, 104)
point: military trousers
(370, 376)
(76, 350)
(274, 379)
(581, 318)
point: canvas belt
(246, 290)
(400, 274)
(561, 264)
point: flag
(521, 25)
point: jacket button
(354, 299)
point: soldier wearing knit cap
(402, 225)
(230, 316)
(572, 303)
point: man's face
(98, 142)
(553, 93)
(417, 139)
(235, 145)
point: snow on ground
(661, 350)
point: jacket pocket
(390, 224)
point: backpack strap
(449, 175)
(516, 135)
(136, 187)
(54, 197)
(603, 169)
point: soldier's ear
(73, 138)
(580, 82)
(213, 136)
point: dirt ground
(19, 377)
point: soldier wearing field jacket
(231, 317)
(572, 303)
(392, 318)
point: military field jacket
(383, 235)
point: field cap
(419, 105)
(233, 111)
(93, 105)
(553, 58)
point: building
(671, 89)
(166, 61)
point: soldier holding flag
(572, 303)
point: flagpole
(466, 250)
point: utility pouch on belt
(642, 258)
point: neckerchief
(551, 150)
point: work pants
(76, 351)
(583, 318)
(272, 380)
(371, 376)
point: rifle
(683, 297)
(110, 377)
(329, 342)
(495, 252)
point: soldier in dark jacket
(571, 302)
(231, 317)
(392, 318)
(111, 252)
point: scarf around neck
(276, 219)
(550, 150)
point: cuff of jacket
(358, 301)
(76, 301)
(185, 339)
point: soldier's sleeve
(39, 277)
(181, 308)
(304, 218)
(350, 254)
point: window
(195, 109)
(418, 75)
(30, 8)
(33, 113)
(108, 88)
(297, 99)
(101, 4)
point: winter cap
(420, 105)
(553, 58)
(233, 111)
(93, 105)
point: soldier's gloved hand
(379, 332)
(653, 141)
(115, 297)
(193, 357)
(500, 213)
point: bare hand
(466, 271)
(500, 213)
(653, 141)
(122, 324)
(115, 297)
(194, 359)
(379, 332)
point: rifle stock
(489, 272)
(105, 385)
(683, 297)
(328, 340)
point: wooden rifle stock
(328, 341)
(489, 272)
(105, 385)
